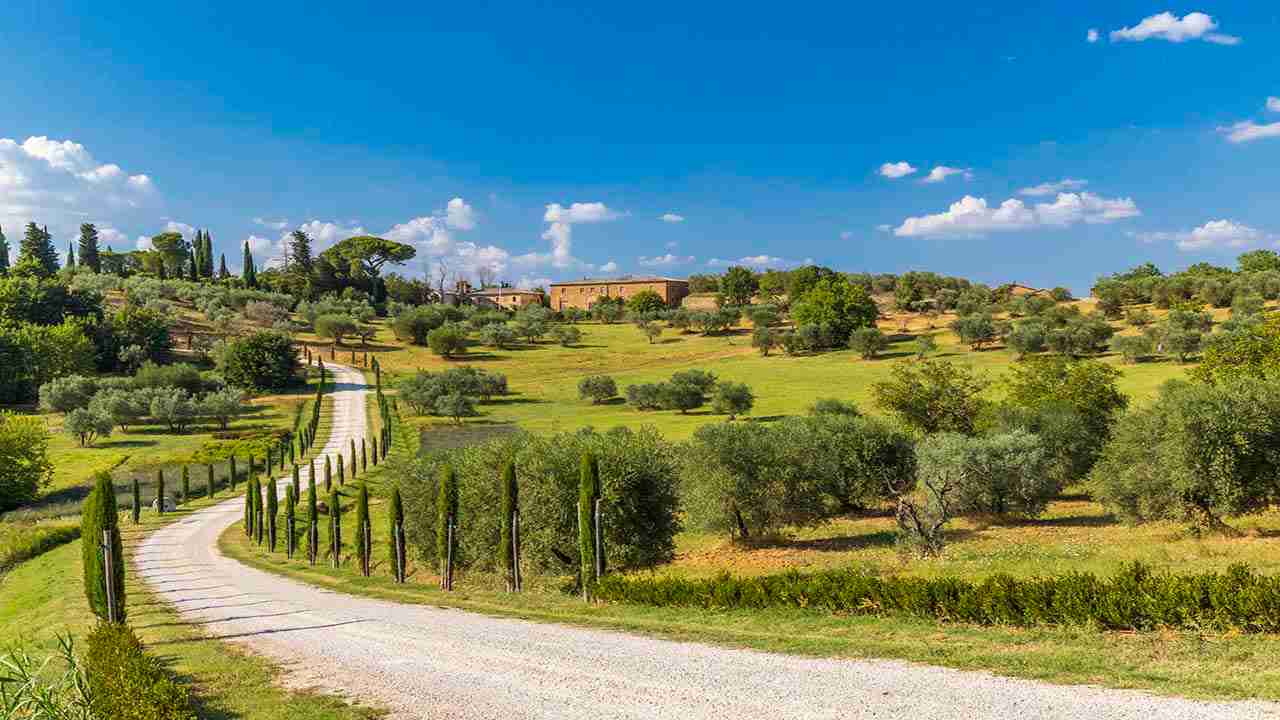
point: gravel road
(424, 662)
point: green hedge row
(127, 684)
(1135, 598)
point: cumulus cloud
(259, 246)
(1053, 188)
(459, 215)
(1212, 235)
(671, 218)
(666, 260)
(60, 184)
(972, 216)
(1167, 26)
(1273, 104)
(1092, 35)
(609, 267)
(108, 236)
(1248, 131)
(942, 172)
(559, 232)
(893, 171)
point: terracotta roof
(504, 291)
(619, 281)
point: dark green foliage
(328, 473)
(273, 509)
(395, 522)
(36, 255)
(296, 487)
(99, 515)
(932, 396)
(446, 513)
(342, 479)
(186, 484)
(510, 505)
(259, 514)
(262, 361)
(335, 527)
(127, 684)
(160, 492)
(588, 495)
(313, 522)
(364, 456)
(364, 530)
(210, 486)
(231, 472)
(136, 510)
(353, 458)
(248, 508)
(1134, 599)
(290, 518)
(448, 341)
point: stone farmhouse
(581, 293)
(505, 298)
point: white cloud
(971, 216)
(893, 171)
(1273, 104)
(529, 283)
(1248, 131)
(755, 261)
(260, 246)
(1213, 234)
(143, 243)
(609, 267)
(942, 172)
(1092, 35)
(667, 260)
(111, 237)
(60, 184)
(1167, 26)
(672, 218)
(273, 224)
(1053, 188)
(560, 232)
(459, 215)
(181, 228)
(326, 234)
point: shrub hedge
(125, 683)
(1134, 598)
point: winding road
(425, 662)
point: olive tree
(598, 388)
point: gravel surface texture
(425, 662)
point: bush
(179, 375)
(853, 461)
(122, 406)
(932, 396)
(1198, 453)
(262, 361)
(646, 301)
(680, 396)
(1028, 338)
(733, 399)
(448, 340)
(833, 406)
(416, 324)
(1005, 474)
(637, 473)
(67, 393)
(598, 388)
(454, 405)
(765, 338)
(24, 459)
(87, 424)
(975, 330)
(223, 405)
(701, 381)
(1134, 599)
(1132, 347)
(125, 683)
(335, 326)
(868, 342)
(497, 335)
(566, 335)
(645, 396)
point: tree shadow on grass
(846, 543)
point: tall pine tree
(207, 269)
(36, 254)
(89, 247)
(223, 273)
(4, 253)
(300, 252)
(71, 254)
(250, 273)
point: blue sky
(548, 141)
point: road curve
(425, 662)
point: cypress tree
(223, 273)
(160, 491)
(510, 505)
(186, 485)
(209, 481)
(248, 508)
(71, 255)
(232, 471)
(446, 510)
(313, 523)
(297, 482)
(311, 469)
(290, 499)
(259, 514)
(364, 531)
(588, 493)
(98, 517)
(353, 458)
(328, 474)
(137, 502)
(335, 527)
(342, 480)
(36, 251)
(273, 507)
(374, 455)
(292, 457)
(250, 273)
(208, 255)
(364, 459)
(395, 520)
(4, 253)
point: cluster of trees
(685, 391)
(1257, 274)
(174, 395)
(453, 393)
